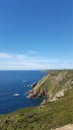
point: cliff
(53, 86)
(54, 114)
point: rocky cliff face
(53, 115)
(53, 86)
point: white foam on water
(16, 94)
(28, 85)
(23, 81)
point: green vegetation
(56, 81)
(51, 114)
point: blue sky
(36, 34)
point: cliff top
(51, 115)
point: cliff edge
(53, 86)
(57, 111)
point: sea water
(14, 88)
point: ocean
(14, 88)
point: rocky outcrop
(53, 86)
(66, 127)
(58, 95)
(37, 91)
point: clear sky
(36, 34)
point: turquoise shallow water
(14, 87)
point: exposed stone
(66, 127)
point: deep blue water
(20, 82)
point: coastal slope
(53, 86)
(56, 111)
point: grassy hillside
(54, 82)
(51, 114)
